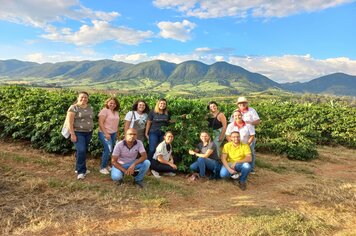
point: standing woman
(108, 130)
(157, 118)
(137, 118)
(217, 121)
(80, 122)
(208, 159)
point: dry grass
(39, 195)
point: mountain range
(191, 77)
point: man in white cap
(250, 116)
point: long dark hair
(135, 105)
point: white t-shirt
(245, 131)
(162, 150)
(141, 118)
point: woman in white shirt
(137, 118)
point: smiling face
(141, 106)
(237, 116)
(168, 138)
(82, 99)
(111, 105)
(242, 106)
(204, 137)
(235, 137)
(213, 107)
(162, 105)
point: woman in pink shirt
(108, 130)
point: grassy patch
(266, 165)
(44, 162)
(281, 222)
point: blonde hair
(157, 110)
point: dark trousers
(160, 167)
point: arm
(250, 140)
(71, 116)
(131, 169)
(116, 164)
(222, 119)
(148, 126)
(248, 158)
(205, 155)
(228, 138)
(163, 161)
(102, 127)
(192, 152)
(255, 122)
(224, 162)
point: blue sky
(285, 40)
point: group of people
(235, 160)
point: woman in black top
(157, 118)
(217, 121)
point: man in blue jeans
(236, 158)
(124, 159)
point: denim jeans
(243, 168)
(81, 146)
(155, 138)
(253, 154)
(203, 164)
(108, 148)
(142, 167)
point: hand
(233, 165)
(221, 139)
(73, 138)
(191, 152)
(130, 170)
(232, 171)
(107, 137)
(173, 166)
(147, 136)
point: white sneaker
(170, 174)
(88, 171)
(81, 176)
(155, 174)
(235, 176)
(109, 168)
(104, 171)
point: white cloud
(180, 31)
(99, 32)
(242, 8)
(287, 68)
(132, 58)
(40, 13)
(59, 57)
(291, 68)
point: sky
(285, 40)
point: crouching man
(124, 159)
(235, 158)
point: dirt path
(318, 196)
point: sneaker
(235, 176)
(109, 168)
(170, 174)
(139, 184)
(155, 174)
(104, 171)
(87, 172)
(81, 176)
(253, 172)
(242, 186)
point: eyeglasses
(131, 134)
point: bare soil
(39, 195)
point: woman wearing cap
(249, 116)
(217, 121)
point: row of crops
(288, 128)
